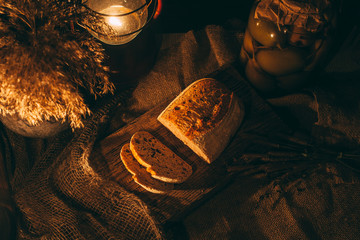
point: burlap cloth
(58, 195)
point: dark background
(184, 15)
(181, 16)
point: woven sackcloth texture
(319, 202)
(60, 196)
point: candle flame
(115, 21)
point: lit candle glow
(116, 22)
(120, 24)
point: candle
(120, 24)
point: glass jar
(286, 42)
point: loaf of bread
(140, 175)
(205, 116)
(159, 160)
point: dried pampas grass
(47, 68)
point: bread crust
(205, 116)
(140, 175)
(160, 161)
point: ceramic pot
(43, 130)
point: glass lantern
(117, 22)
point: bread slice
(140, 175)
(160, 161)
(205, 116)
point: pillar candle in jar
(121, 24)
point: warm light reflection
(115, 21)
(119, 24)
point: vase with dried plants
(50, 70)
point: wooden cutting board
(206, 178)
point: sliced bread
(205, 116)
(140, 175)
(160, 161)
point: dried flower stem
(289, 154)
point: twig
(295, 152)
